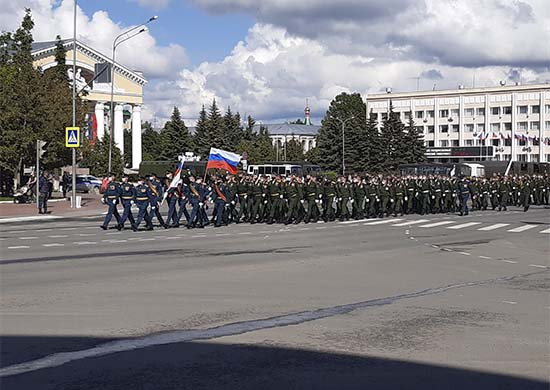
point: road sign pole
(73, 203)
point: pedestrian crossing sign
(72, 137)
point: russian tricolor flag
(221, 159)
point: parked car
(86, 183)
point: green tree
(393, 141)
(351, 109)
(313, 155)
(232, 131)
(294, 150)
(201, 138)
(175, 138)
(414, 141)
(95, 156)
(214, 128)
(151, 142)
(261, 148)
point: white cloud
(53, 17)
(453, 32)
(271, 73)
(155, 4)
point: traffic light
(41, 148)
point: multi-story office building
(492, 123)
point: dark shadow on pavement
(208, 365)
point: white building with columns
(94, 75)
(510, 121)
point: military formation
(292, 200)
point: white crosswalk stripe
(463, 225)
(493, 227)
(407, 223)
(522, 228)
(435, 224)
(384, 221)
(547, 231)
(354, 221)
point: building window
(455, 128)
(469, 142)
(535, 126)
(444, 143)
(430, 113)
(535, 158)
(522, 126)
(548, 158)
(508, 126)
(384, 116)
(469, 128)
(523, 109)
(495, 127)
(407, 115)
(455, 112)
(507, 157)
(469, 112)
(480, 142)
(480, 111)
(547, 125)
(547, 108)
(444, 128)
(535, 109)
(443, 113)
(507, 110)
(480, 128)
(495, 111)
(454, 142)
(430, 129)
(508, 142)
(522, 157)
(419, 114)
(431, 144)
(496, 142)
(522, 142)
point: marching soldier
(157, 191)
(110, 197)
(127, 196)
(144, 198)
(464, 190)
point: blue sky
(206, 36)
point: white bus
(283, 169)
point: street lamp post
(343, 123)
(116, 42)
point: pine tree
(201, 139)
(232, 131)
(215, 126)
(294, 150)
(393, 138)
(262, 148)
(175, 138)
(151, 142)
(351, 109)
(374, 160)
(414, 142)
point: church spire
(308, 112)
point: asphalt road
(432, 302)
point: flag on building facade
(221, 159)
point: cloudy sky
(265, 57)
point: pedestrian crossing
(451, 225)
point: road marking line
(245, 233)
(354, 221)
(547, 231)
(146, 239)
(383, 222)
(510, 261)
(25, 219)
(28, 238)
(86, 234)
(437, 224)
(59, 236)
(169, 238)
(522, 228)
(304, 229)
(18, 247)
(198, 236)
(264, 231)
(411, 222)
(85, 242)
(43, 230)
(464, 225)
(54, 244)
(447, 249)
(221, 234)
(71, 228)
(465, 253)
(320, 228)
(493, 227)
(537, 266)
(485, 257)
(510, 302)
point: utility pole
(73, 203)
